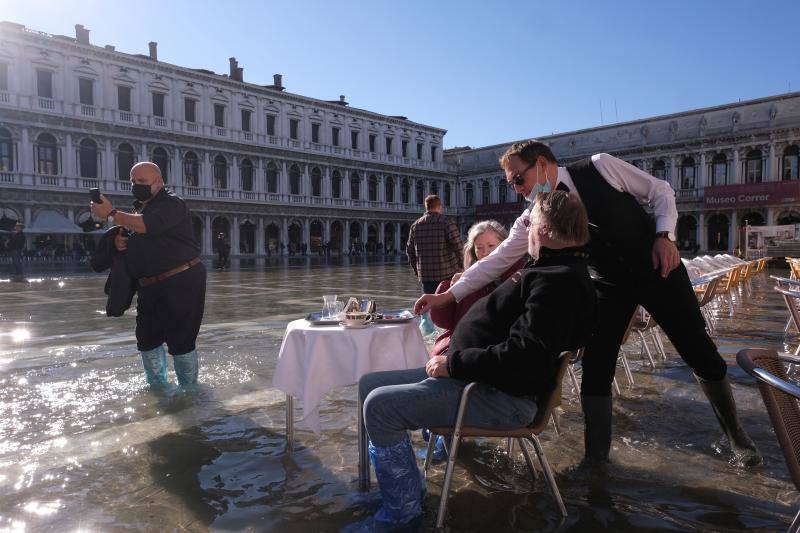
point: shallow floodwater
(84, 445)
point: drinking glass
(368, 304)
(331, 307)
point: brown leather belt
(144, 282)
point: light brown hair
(562, 216)
(476, 231)
(432, 202)
(529, 151)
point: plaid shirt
(434, 247)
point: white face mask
(539, 187)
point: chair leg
(509, 447)
(574, 378)
(556, 425)
(548, 474)
(448, 476)
(431, 443)
(659, 343)
(795, 526)
(627, 368)
(646, 348)
(528, 460)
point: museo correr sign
(770, 193)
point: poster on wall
(758, 238)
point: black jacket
(512, 338)
(120, 286)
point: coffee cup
(356, 319)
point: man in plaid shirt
(434, 247)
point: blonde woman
(482, 238)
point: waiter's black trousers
(672, 303)
(171, 311)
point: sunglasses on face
(519, 178)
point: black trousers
(672, 303)
(171, 311)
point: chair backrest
(782, 407)
(710, 291)
(544, 409)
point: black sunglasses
(519, 178)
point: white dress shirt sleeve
(492, 266)
(658, 193)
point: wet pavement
(85, 446)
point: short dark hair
(432, 202)
(564, 216)
(529, 151)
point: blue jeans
(399, 400)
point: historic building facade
(729, 165)
(264, 166)
(272, 169)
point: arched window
(434, 187)
(161, 159)
(468, 195)
(485, 193)
(686, 232)
(125, 160)
(502, 189)
(687, 173)
(246, 175)
(191, 170)
(753, 169)
(372, 188)
(447, 195)
(791, 163)
(272, 177)
(659, 169)
(355, 186)
(46, 154)
(316, 182)
(388, 191)
(420, 192)
(87, 158)
(220, 172)
(718, 232)
(719, 170)
(295, 176)
(6, 151)
(336, 184)
(405, 190)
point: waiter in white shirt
(634, 262)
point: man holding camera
(161, 252)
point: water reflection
(84, 444)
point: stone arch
(247, 237)
(718, 228)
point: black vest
(622, 233)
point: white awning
(54, 223)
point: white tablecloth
(316, 359)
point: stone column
(701, 176)
(733, 232)
(327, 186)
(703, 231)
(772, 170)
(69, 161)
(234, 178)
(345, 241)
(305, 184)
(326, 230)
(206, 179)
(260, 248)
(283, 181)
(26, 164)
(381, 229)
(144, 155)
(176, 172)
(397, 243)
(235, 236)
(108, 171)
(307, 234)
(207, 248)
(284, 235)
(364, 233)
(674, 178)
(737, 168)
(771, 212)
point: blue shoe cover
(426, 434)
(439, 450)
(155, 366)
(186, 368)
(399, 481)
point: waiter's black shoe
(597, 430)
(743, 449)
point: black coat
(512, 338)
(120, 286)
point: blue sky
(488, 72)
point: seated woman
(482, 239)
(509, 342)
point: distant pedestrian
(434, 250)
(223, 251)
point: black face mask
(141, 192)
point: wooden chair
(522, 435)
(780, 397)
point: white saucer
(360, 326)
